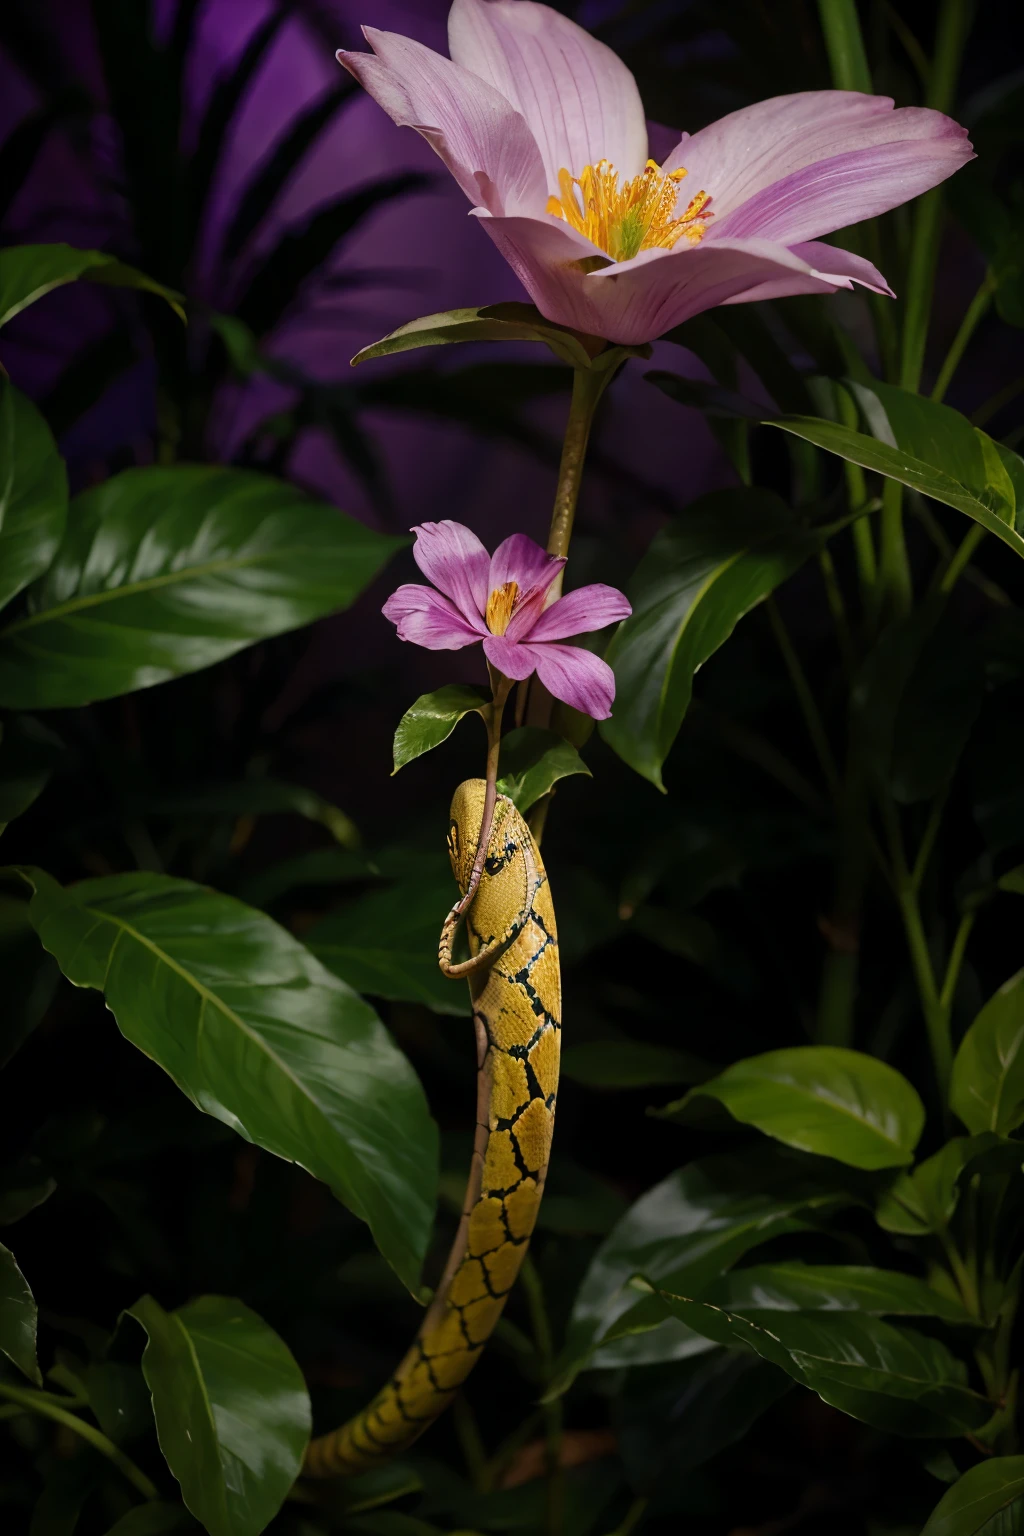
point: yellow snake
(515, 986)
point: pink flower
(543, 128)
(499, 599)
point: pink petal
(514, 660)
(424, 617)
(836, 265)
(848, 187)
(482, 140)
(579, 99)
(579, 612)
(635, 301)
(452, 557)
(522, 560)
(577, 677)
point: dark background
(239, 164)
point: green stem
(995, 402)
(553, 1415)
(896, 592)
(838, 988)
(845, 45)
(42, 1403)
(633, 1516)
(936, 1018)
(802, 689)
(588, 385)
(837, 608)
(955, 962)
(961, 1274)
(961, 558)
(975, 312)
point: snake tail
(517, 1010)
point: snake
(515, 988)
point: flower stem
(588, 385)
(975, 312)
(845, 45)
(43, 1403)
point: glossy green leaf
(232, 1411)
(513, 321)
(33, 492)
(257, 1033)
(165, 571)
(153, 1520)
(688, 1229)
(799, 1287)
(532, 761)
(930, 448)
(18, 1318)
(977, 1497)
(29, 271)
(623, 1064)
(705, 570)
(986, 1089)
(823, 1099)
(433, 717)
(385, 943)
(890, 1377)
(30, 976)
(924, 1199)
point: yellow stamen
(638, 216)
(499, 607)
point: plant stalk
(976, 311)
(42, 1403)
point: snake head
(464, 829)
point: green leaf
(257, 1033)
(892, 1378)
(33, 492)
(823, 1099)
(986, 1089)
(624, 1064)
(930, 448)
(153, 1520)
(257, 797)
(977, 1497)
(28, 753)
(433, 717)
(924, 1200)
(687, 1230)
(29, 973)
(231, 1407)
(165, 571)
(532, 760)
(800, 1287)
(705, 570)
(18, 1318)
(29, 271)
(513, 321)
(385, 943)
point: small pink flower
(543, 128)
(499, 599)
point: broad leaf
(986, 1089)
(977, 1497)
(29, 271)
(232, 1411)
(705, 570)
(930, 448)
(433, 717)
(532, 761)
(799, 1287)
(164, 571)
(924, 1199)
(29, 976)
(28, 754)
(33, 492)
(623, 1064)
(892, 1378)
(823, 1099)
(18, 1318)
(688, 1229)
(255, 797)
(385, 943)
(513, 321)
(260, 1035)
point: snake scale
(515, 986)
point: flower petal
(514, 660)
(635, 301)
(577, 677)
(424, 617)
(579, 99)
(834, 264)
(579, 612)
(522, 560)
(483, 141)
(452, 557)
(835, 193)
(745, 153)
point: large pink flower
(543, 128)
(499, 599)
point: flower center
(499, 607)
(638, 216)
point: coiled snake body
(517, 1015)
